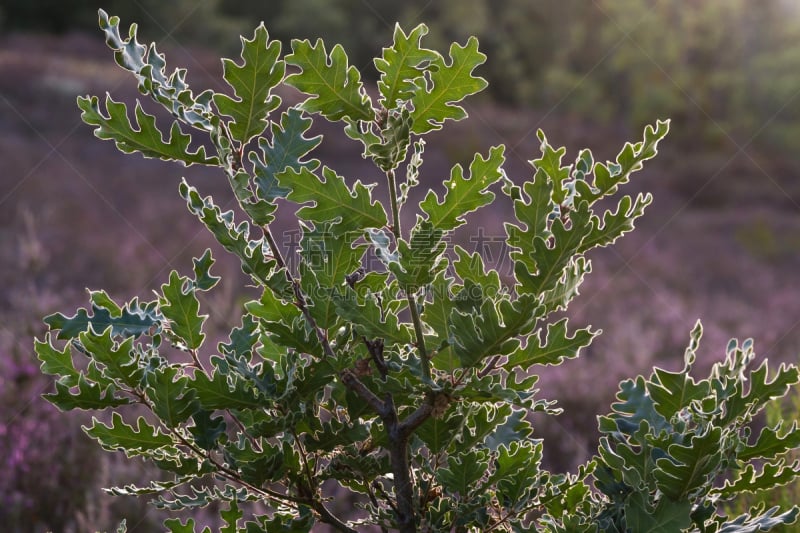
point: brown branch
(418, 417)
(398, 433)
(352, 382)
(328, 518)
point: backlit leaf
(56, 362)
(401, 64)
(333, 201)
(172, 399)
(181, 307)
(553, 349)
(118, 359)
(252, 82)
(287, 149)
(87, 395)
(132, 440)
(142, 135)
(134, 321)
(335, 87)
(464, 194)
(435, 100)
(217, 392)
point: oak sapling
(406, 384)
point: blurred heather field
(721, 241)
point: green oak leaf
(772, 441)
(566, 288)
(149, 67)
(369, 319)
(56, 362)
(260, 211)
(136, 319)
(463, 471)
(749, 479)
(766, 521)
(217, 392)
(333, 201)
(401, 64)
(253, 254)
(180, 306)
(389, 152)
(207, 429)
(761, 390)
(257, 466)
(533, 206)
(176, 526)
(261, 70)
(553, 349)
(242, 339)
(332, 256)
(549, 258)
(102, 300)
(87, 396)
(141, 136)
(132, 440)
(464, 194)
(436, 100)
(419, 259)
(118, 359)
(688, 466)
(284, 323)
(517, 470)
(479, 335)
(615, 223)
(203, 280)
(287, 149)
(172, 399)
(607, 177)
(438, 434)
(231, 517)
(673, 391)
(667, 516)
(550, 164)
(327, 258)
(335, 87)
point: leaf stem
(300, 299)
(221, 469)
(393, 201)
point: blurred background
(720, 242)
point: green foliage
(778, 442)
(252, 81)
(405, 383)
(335, 87)
(674, 447)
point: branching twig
(375, 349)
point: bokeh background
(720, 242)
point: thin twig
(328, 518)
(420, 336)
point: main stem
(399, 433)
(412, 303)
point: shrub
(385, 364)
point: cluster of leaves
(406, 383)
(674, 448)
(777, 413)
